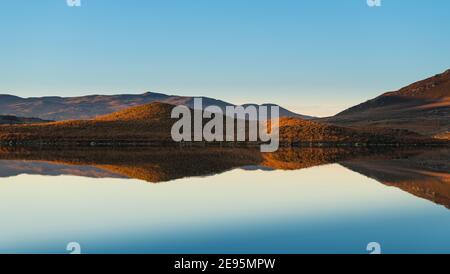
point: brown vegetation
(143, 123)
(296, 130)
(151, 124)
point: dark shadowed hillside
(13, 120)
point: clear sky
(313, 56)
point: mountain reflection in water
(423, 173)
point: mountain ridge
(90, 106)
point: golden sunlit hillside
(151, 124)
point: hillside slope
(149, 122)
(423, 107)
(294, 130)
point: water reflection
(425, 174)
(224, 200)
(422, 172)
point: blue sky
(313, 56)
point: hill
(422, 107)
(294, 130)
(151, 124)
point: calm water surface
(326, 208)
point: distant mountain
(152, 123)
(284, 112)
(423, 107)
(88, 107)
(12, 120)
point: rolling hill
(422, 107)
(88, 107)
(151, 124)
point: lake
(224, 200)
